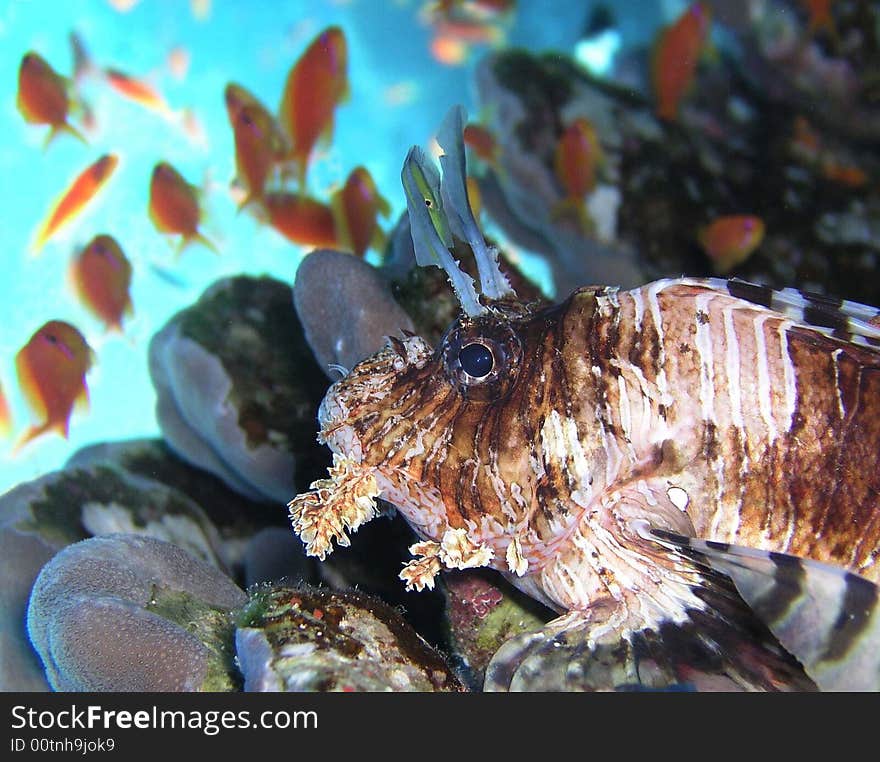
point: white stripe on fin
(825, 616)
(837, 318)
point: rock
(236, 517)
(742, 145)
(483, 612)
(530, 100)
(132, 613)
(22, 555)
(238, 389)
(345, 307)
(40, 517)
(308, 639)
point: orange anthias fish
(315, 86)
(576, 161)
(843, 174)
(821, 18)
(728, 241)
(101, 277)
(139, 91)
(174, 206)
(260, 144)
(43, 96)
(675, 58)
(52, 368)
(356, 207)
(82, 190)
(301, 219)
(5, 415)
(482, 142)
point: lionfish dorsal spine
(439, 208)
(429, 227)
(493, 283)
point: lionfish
(687, 472)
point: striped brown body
(766, 432)
(689, 472)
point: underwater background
(612, 143)
(399, 93)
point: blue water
(253, 43)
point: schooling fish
(43, 97)
(687, 472)
(301, 219)
(730, 240)
(138, 91)
(821, 19)
(174, 207)
(52, 369)
(576, 160)
(101, 276)
(316, 85)
(82, 190)
(482, 142)
(676, 53)
(260, 144)
(356, 207)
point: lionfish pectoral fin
(589, 651)
(825, 616)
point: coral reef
(132, 613)
(343, 331)
(228, 400)
(39, 518)
(738, 147)
(307, 639)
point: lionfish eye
(476, 359)
(481, 358)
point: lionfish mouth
(336, 432)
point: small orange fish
(301, 219)
(52, 368)
(178, 61)
(5, 415)
(174, 207)
(138, 91)
(316, 85)
(821, 18)
(843, 174)
(260, 144)
(676, 53)
(101, 277)
(356, 207)
(448, 50)
(728, 241)
(577, 158)
(482, 142)
(43, 97)
(82, 190)
(805, 142)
